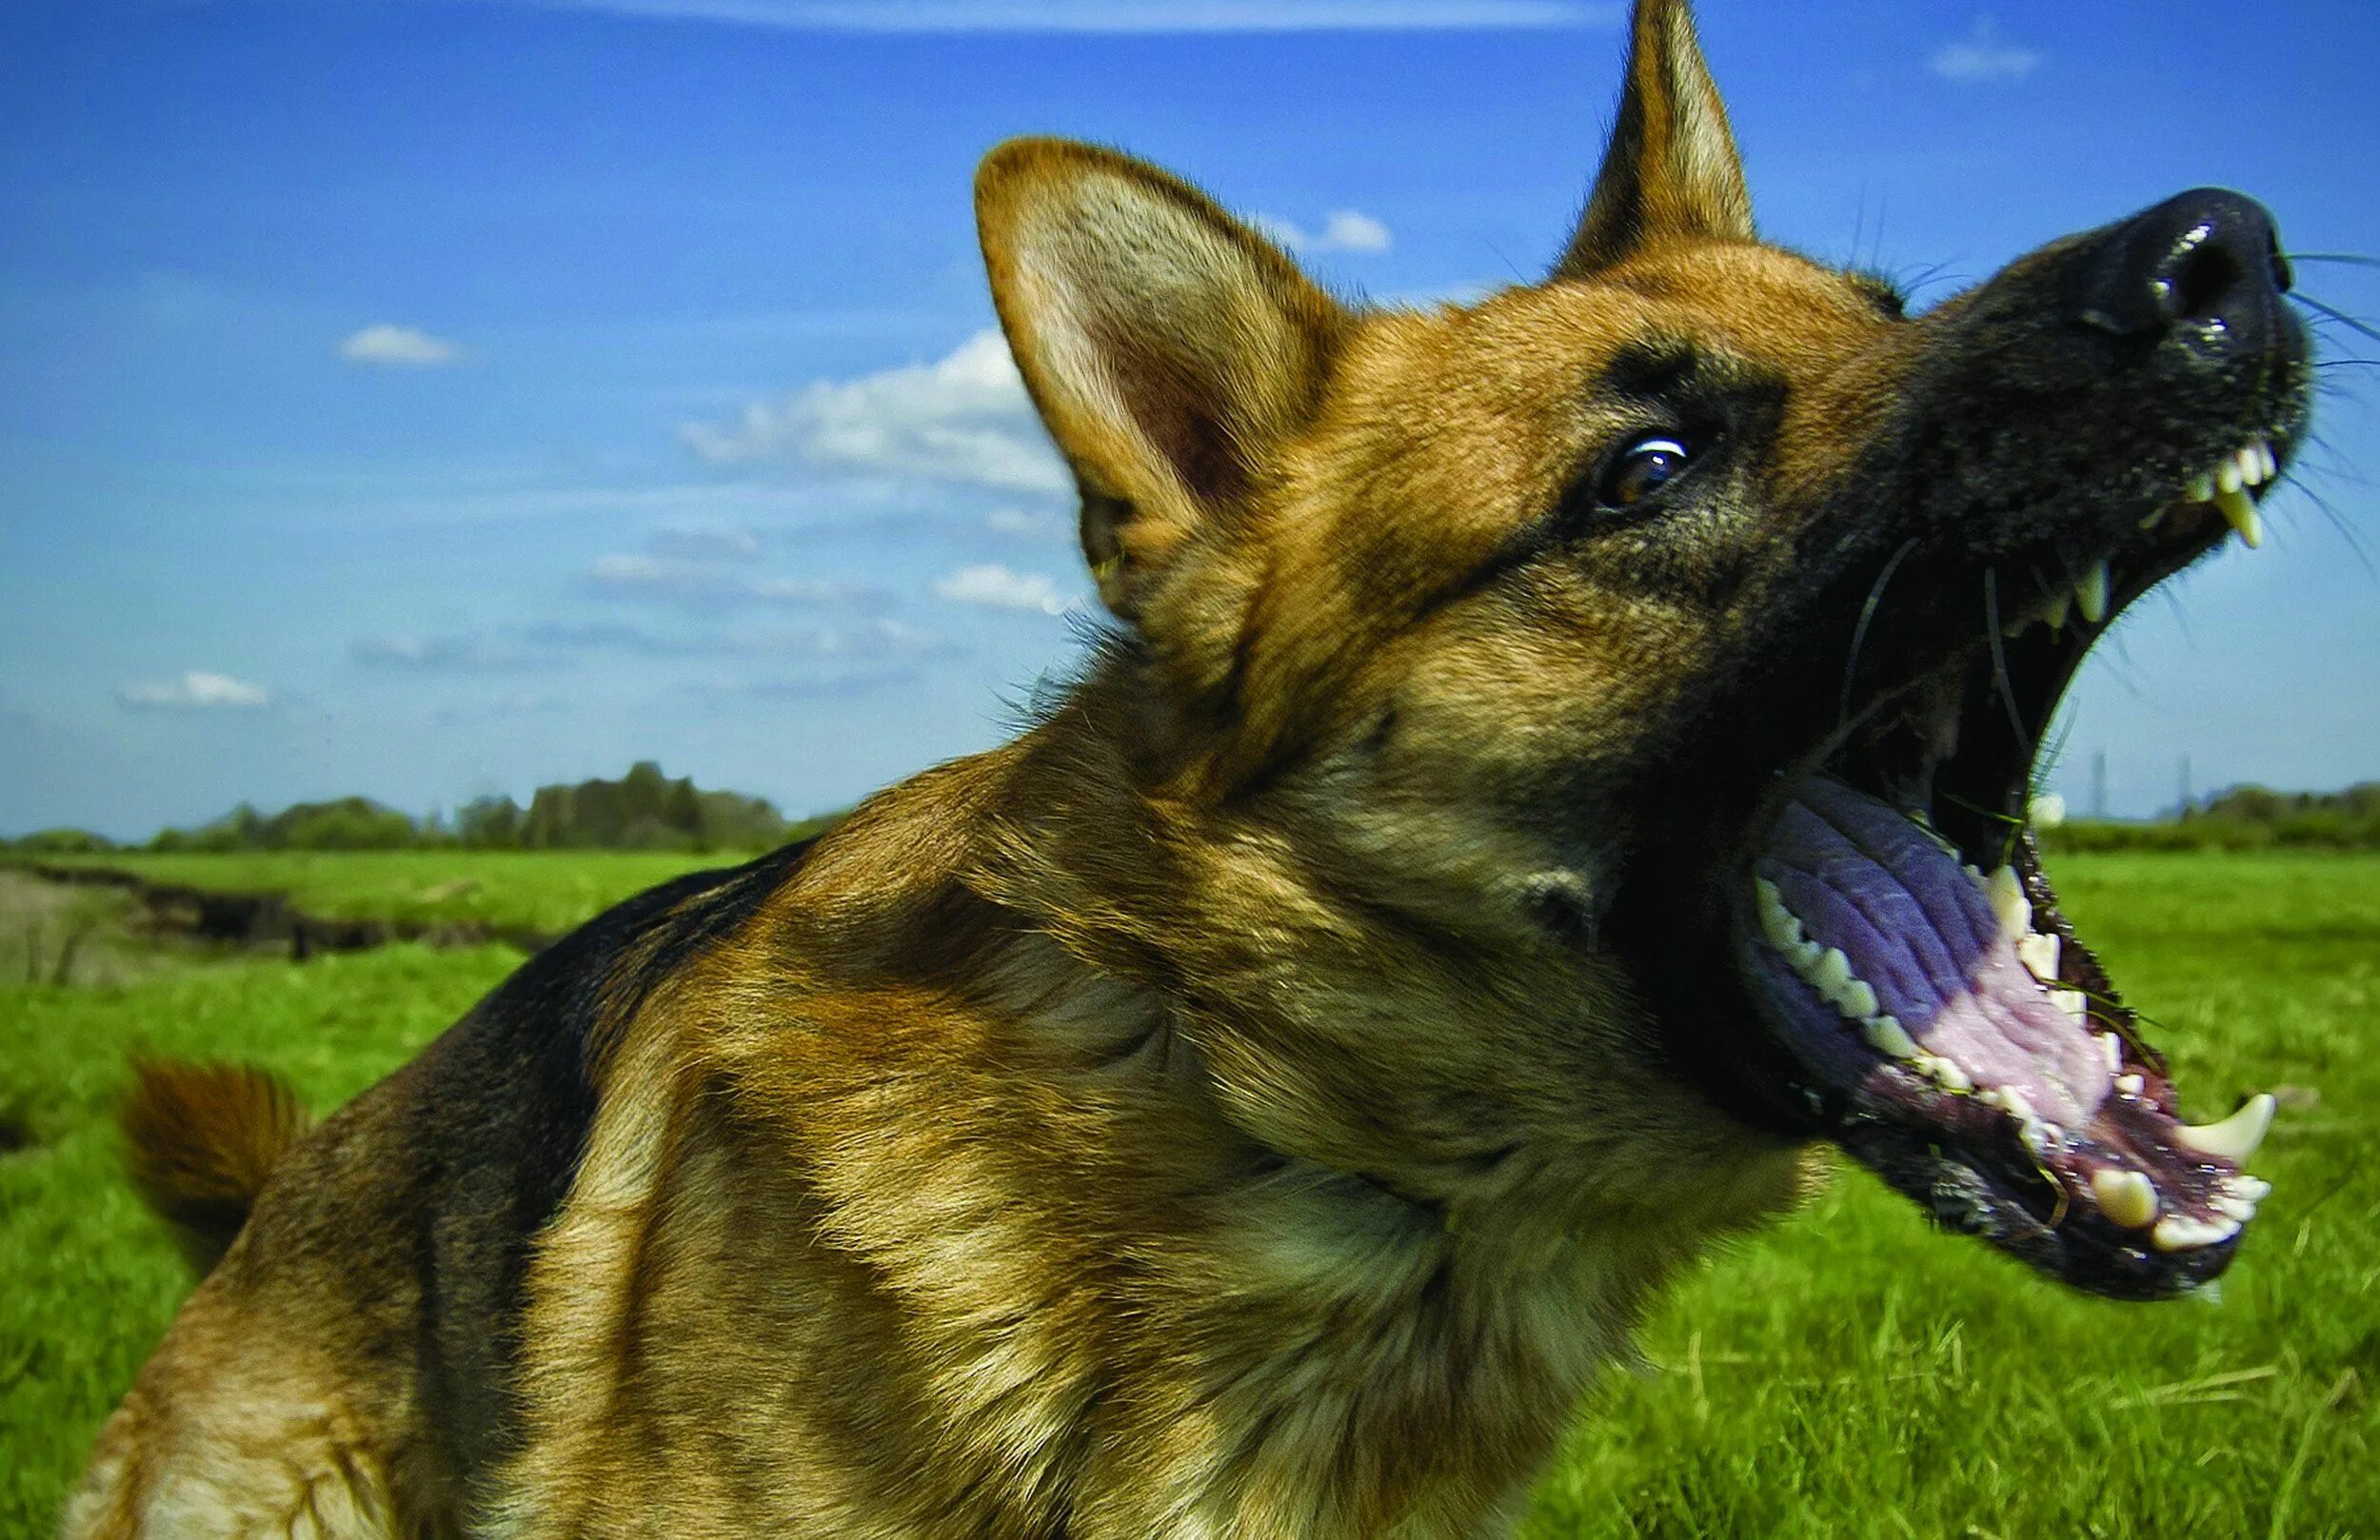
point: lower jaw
(1981, 1065)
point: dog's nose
(2208, 263)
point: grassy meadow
(543, 890)
(1848, 1372)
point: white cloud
(1029, 523)
(1115, 15)
(702, 542)
(401, 347)
(1983, 57)
(440, 655)
(197, 690)
(994, 587)
(710, 585)
(1345, 231)
(963, 418)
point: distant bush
(643, 810)
(347, 823)
(2243, 818)
(60, 842)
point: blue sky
(436, 397)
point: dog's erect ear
(1671, 168)
(1168, 346)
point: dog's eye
(1640, 471)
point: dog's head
(1654, 660)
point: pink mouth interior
(1917, 925)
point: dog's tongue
(1921, 929)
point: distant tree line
(643, 810)
(2243, 818)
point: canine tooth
(1886, 1036)
(2127, 1197)
(2241, 513)
(1857, 999)
(2201, 488)
(2129, 1085)
(2234, 1138)
(2038, 951)
(2091, 594)
(2072, 1001)
(2227, 476)
(2113, 1048)
(1831, 972)
(2009, 902)
(2180, 1232)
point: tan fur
(1178, 1123)
(200, 1142)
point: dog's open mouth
(1909, 954)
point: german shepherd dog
(1558, 759)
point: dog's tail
(200, 1140)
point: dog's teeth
(1942, 1072)
(1781, 926)
(2112, 1049)
(2072, 1001)
(2009, 902)
(2054, 616)
(1886, 1035)
(2227, 476)
(2130, 1085)
(2233, 1208)
(2180, 1232)
(1831, 972)
(2252, 1189)
(2271, 461)
(2240, 510)
(1857, 999)
(2250, 466)
(2091, 593)
(2038, 951)
(2150, 519)
(2234, 1138)
(2127, 1197)
(2201, 488)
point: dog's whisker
(2351, 259)
(2337, 522)
(1999, 658)
(2360, 327)
(1867, 615)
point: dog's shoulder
(497, 1111)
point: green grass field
(1848, 1372)
(531, 890)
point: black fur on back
(499, 1111)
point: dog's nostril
(2209, 258)
(2197, 284)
